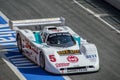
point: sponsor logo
(72, 59)
(62, 64)
(69, 52)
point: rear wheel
(42, 60)
(19, 43)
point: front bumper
(72, 70)
(81, 69)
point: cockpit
(63, 39)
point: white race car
(57, 49)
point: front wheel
(42, 60)
(19, 43)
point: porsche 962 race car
(54, 46)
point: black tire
(42, 60)
(19, 43)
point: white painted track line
(96, 15)
(3, 50)
(5, 30)
(67, 78)
(24, 64)
(17, 62)
(8, 32)
(29, 67)
(6, 35)
(15, 56)
(12, 43)
(17, 59)
(3, 25)
(12, 40)
(4, 16)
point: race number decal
(52, 58)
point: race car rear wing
(32, 22)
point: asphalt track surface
(85, 24)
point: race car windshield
(60, 40)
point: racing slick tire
(42, 60)
(19, 43)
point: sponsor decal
(68, 52)
(91, 56)
(31, 46)
(55, 30)
(27, 45)
(59, 34)
(72, 59)
(62, 64)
